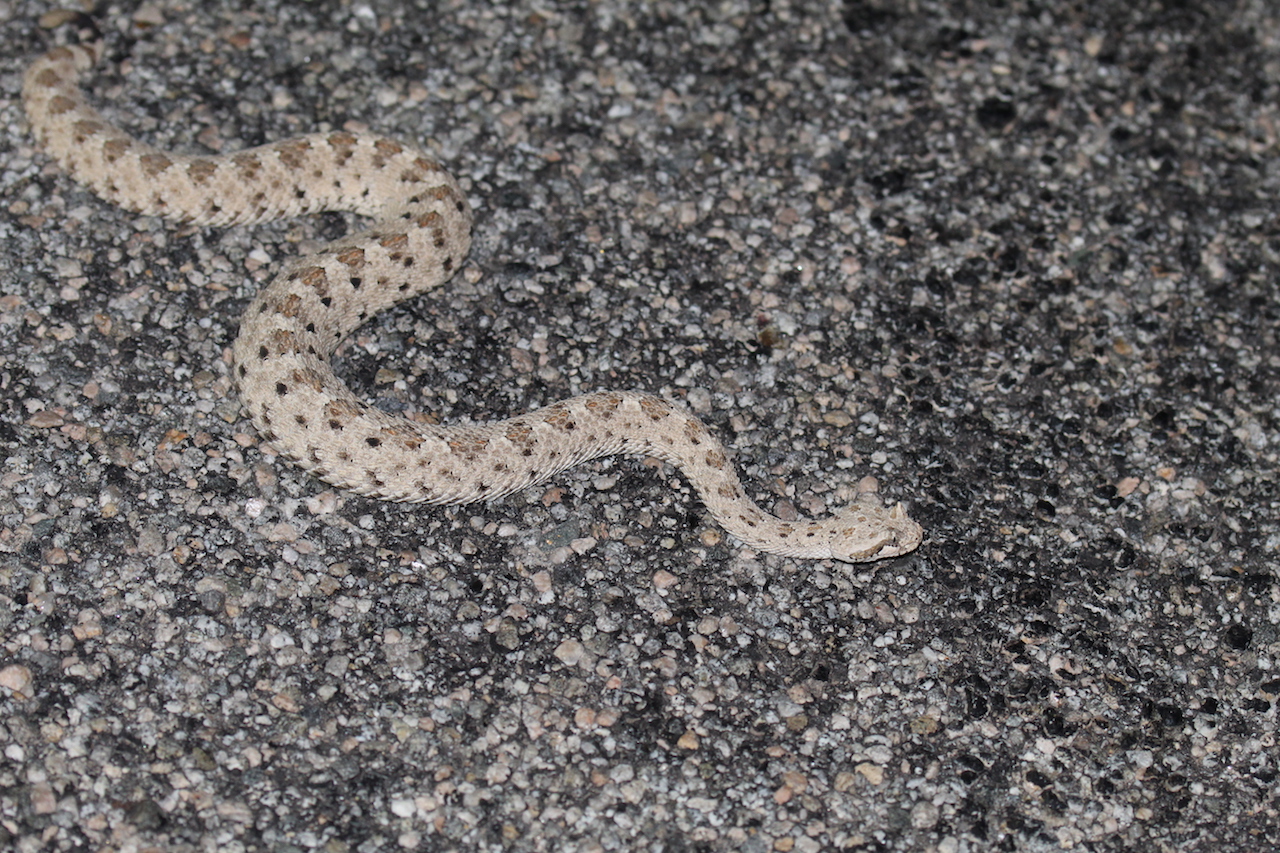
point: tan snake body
(419, 238)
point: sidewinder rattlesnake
(420, 235)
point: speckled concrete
(1018, 264)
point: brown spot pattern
(395, 242)
(114, 149)
(467, 445)
(201, 171)
(248, 165)
(654, 408)
(154, 164)
(290, 306)
(353, 257)
(60, 105)
(293, 153)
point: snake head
(868, 531)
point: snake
(418, 237)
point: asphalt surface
(1017, 261)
